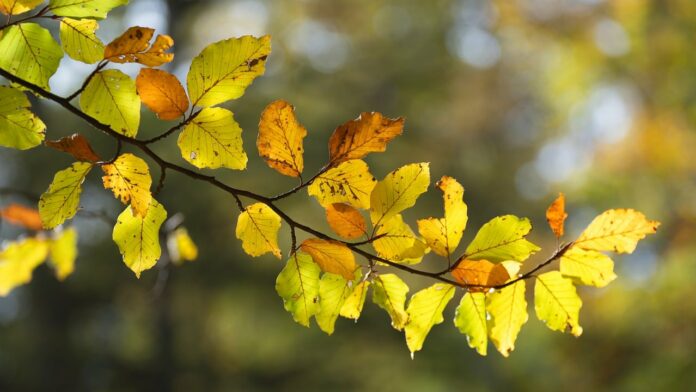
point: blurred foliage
(517, 99)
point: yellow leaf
(398, 191)
(333, 291)
(79, 41)
(63, 252)
(557, 303)
(18, 261)
(508, 310)
(298, 286)
(20, 215)
(425, 311)
(389, 293)
(181, 246)
(470, 319)
(133, 46)
(62, 198)
(280, 139)
(616, 230)
(480, 273)
(30, 52)
(75, 145)
(225, 69)
(162, 93)
(345, 221)
(353, 305)
(21, 128)
(397, 242)
(129, 179)
(138, 237)
(111, 98)
(332, 256)
(501, 239)
(370, 132)
(96, 9)
(587, 267)
(350, 183)
(556, 215)
(16, 7)
(212, 140)
(443, 235)
(258, 227)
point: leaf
(223, 70)
(133, 46)
(110, 97)
(77, 146)
(162, 93)
(62, 198)
(16, 7)
(556, 215)
(345, 221)
(508, 310)
(557, 302)
(30, 53)
(96, 9)
(353, 305)
(138, 237)
(280, 139)
(502, 238)
(258, 227)
(79, 41)
(389, 293)
(398, 191)
(480, 273)
(212, 140)
(397, 242)
(129, 179)
(616, 230)
(333, 291)
(350, 183)
(470, 319)
(19, 127)
(425, 311)
(298, 285)
(18, 261)
(443, 235)
(587, 267)
(63, 252)
(20, 215)
(370, 132)
(181, 247)
(332, 256)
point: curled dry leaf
(556, 215)
(75, 145)
(370, 132)
(133, 46)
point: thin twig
(82, 88)
(173, 129)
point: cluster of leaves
(321, 277)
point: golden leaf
(162, 93)
(345, 220)
(332, 256)
(280, 139)
(370, 132)
(133, 46)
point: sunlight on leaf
(298, 286)
(62, 198)
(138, 237)
(129, 179)
(21, 129)
(258, 227)
(162, 93)
(280, 139)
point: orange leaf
(480, 273)
(556, 215)
(332, 256)
(345, 220)
(370, 132)
(20, 215)
(162, 93)
(77, 146)
(280, 138)
(133, 46)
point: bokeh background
(517, 99)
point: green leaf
(212, 140)
(353, 305)
(508, 310)
(389, 293)
(19, 127)
(30, 52)
(95, 9)
(333, 291)
(111, 98)
(298, 285)
(62, 198)
(224, 69)
(79, 41)
(501, 239)
(398, 191)
(425, 311)
(470, 319)
(587, 267)
(557, 303)
(138, 237)
(18, 261)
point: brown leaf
(345, 220)
(280, 138)
(20, 215)
(332, 256)
(370, 132)
(556, 215)
(133, 46)
(77, 146)
(480, 273)
(162, 93)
